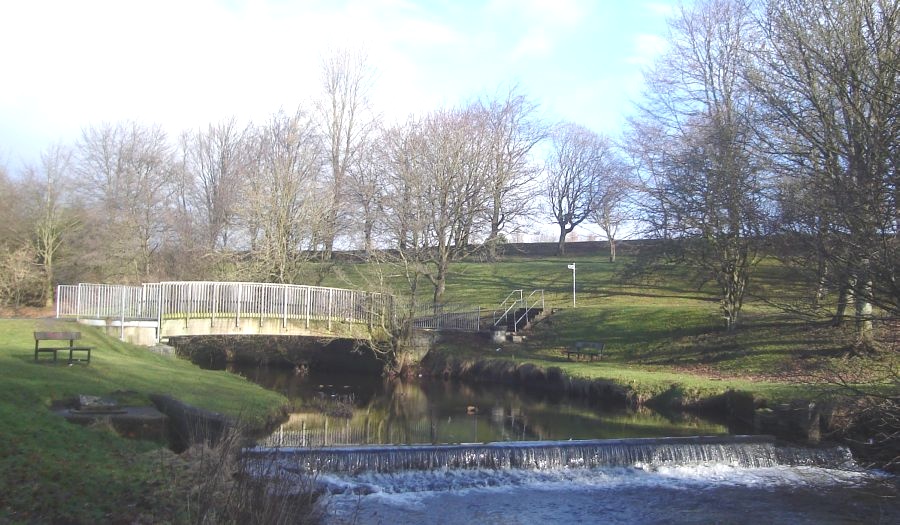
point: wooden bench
(71, 337)
(590, 349)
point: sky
(183, 64)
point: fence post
(308, 296)
(237, 310)
(78, 303)
(159, 310)
(122, 313)
(328, 314)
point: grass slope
(663, 328)
(54, 471)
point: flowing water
(437, 452)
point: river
(669, 482)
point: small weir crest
(736, 451)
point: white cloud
(536, 43)
(646, 48)
(660, 9)
(184, 63)
(547, 12)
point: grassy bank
(662, 326)
(54, 471)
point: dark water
(684, 495)
(728, 484)
(337, 409)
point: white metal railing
(459, 317)
(512, 301)
(206, 299)
(103, 301)
(531, 305)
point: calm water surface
(347, 409)
(358, 409)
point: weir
(736, 451)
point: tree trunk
(840, 312)
(821, 274)
(328, 246)
(561, 247)
(48, 274)
(440, 279)
(612, 250)
(440, 286)
(48, 290)
(367, 227)
(862, 292)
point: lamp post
(572, 267)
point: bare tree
(512, 132)
(452, 158)
(217, 161)
(610, 206)
(694, 142)
(403, 205)
(438, 192)
(365, 189)
(346, 80)
(828, 75)
(281, 210)
(578, 161)
(14, 227)
(51, 219)
(20, 280)
(125, 175)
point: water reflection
(337, 409)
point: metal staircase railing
(514, 299)
(517, 301)
(531, 306)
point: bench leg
(72, 357)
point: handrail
(510, 307)
(528, 307)
(202, 299)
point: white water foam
(643, 495)
(461, 480)
(740, 480)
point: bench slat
(56, 336)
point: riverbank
(841, 400)
(53, 471)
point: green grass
(54, 471)
(663, 333)
(663, 329)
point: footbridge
(150, 313)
